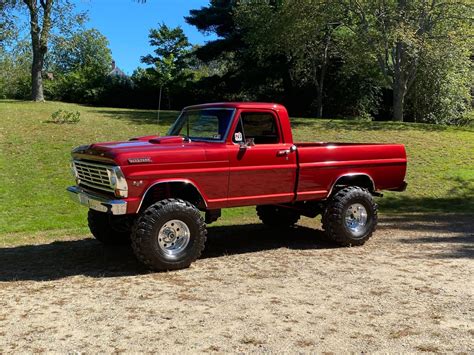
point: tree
(8, 28)
(15, 66)
(398, 33)
(80, 63)
(14, 55)
(43, 17)
(40, 31)
(170, 58)
(441, 90)
(85, 50)
(217, 18)
(303, 31)
(240, 75)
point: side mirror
(249, 142)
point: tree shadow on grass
(10, 101)
(460, 198)
(356, 125)
(140, 116)
(88, 257)
(409, 204)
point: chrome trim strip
(350, 175)
(96, 202)
(170, 181)
(95, 165)
(98, 187)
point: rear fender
(355, 179)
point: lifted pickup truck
(159, 192)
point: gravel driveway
(410, 288)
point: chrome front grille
(94, 175)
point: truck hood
(141, 150)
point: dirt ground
(410, 288)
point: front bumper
(96, 202)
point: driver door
(265, 172)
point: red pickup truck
(159, 192)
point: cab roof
(239, 105)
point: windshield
(210, 124)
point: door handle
(284, 152)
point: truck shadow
(447, 236)
(88, 257)
(250, 238)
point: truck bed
(319, 163)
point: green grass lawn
(34, 161)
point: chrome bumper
(96, 202)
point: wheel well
(361, 180)
(173, 189)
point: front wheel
(169, 235)
(350, 217)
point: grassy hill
(34, 162)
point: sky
(126, 24)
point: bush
(467, 119)
(62, 116)
(441, 92)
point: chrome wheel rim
(173, 237)
(356, 218)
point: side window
(260, 126)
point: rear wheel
(275, 216)
(110, 229)
(350, 217)
(169, 235)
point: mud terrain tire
(169, 235)
(350, 216)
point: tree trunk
(399, 85)
(37, 76)
(39, 43)
(288, 91)
(322, 75)
(159, 104)
(398, 102)
(320, 84)
(319, 101)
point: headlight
(118, 182)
